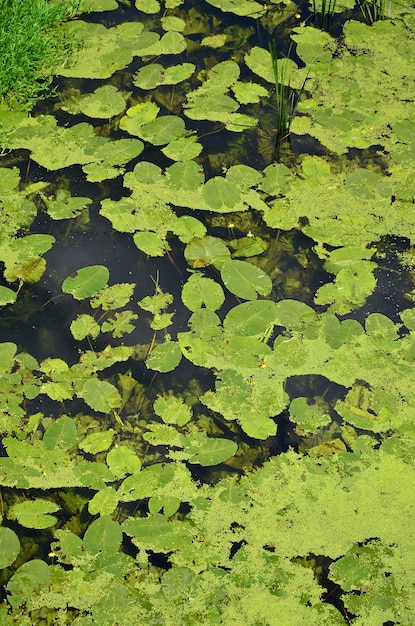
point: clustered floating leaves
(158, 435)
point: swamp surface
(206, 358)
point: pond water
(192, 298)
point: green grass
(31, 46)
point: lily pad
(245, 280)
(9, 547)
(104, 103)
(87, 281)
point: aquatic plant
(31, 47)
(285, 97)
(217, 426)
(325, 9)
(375, 10)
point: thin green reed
(285, 97)
(326, 9)
(374, 10)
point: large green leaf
(211, 451)
(87, 281)
(245, 279)
(103, 536)
(34, 513)
(9, 547)
(100, 395)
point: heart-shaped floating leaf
(205, 251)
(31, 576)
(9, 547)
(245, 280)
(165, 357)
(122, 461)
(97, 442)
(104, 103)
(60, 434)
(104, 535)
(162, 130)
(87, 281)
(100, 395)
(211, 451)
(201, 292)
(34, 513)
(104, 502)
(251, 318)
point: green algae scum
(206, 352)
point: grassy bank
(31, 45)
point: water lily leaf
(346, 257)
(248, 92)
(381, 328)
(147, 482)
(214, 41)
(172, 410)
(170, 22)
(165, 357)
(147, 6)
(103, 536)
(102, 5)
(309, 417)
(158, 533)
(169, 504)
(97, 442)
(350, 290)
(8, 351)
(122, 461)
(105, 50)
(64, 206)
(210, 104)
(204, 322)
(183, 149)
(9, 179)
(188, 228)
(30, 579)
(87, 281)
(104, 502)
(206, 251)
(251, 318)
(151, 243)
(245, 280)
(199, 291)
(188, 176)
(138, 115)
(221, 194)
(294, 314)
(244, 8)
(103, 103)
(83, 326)
(9, 547)
(7, 296)
(162, 130)
(34, 513)
(100, 395)
(259, 61)
(149, 76)
(61, 434)
(211, 451)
